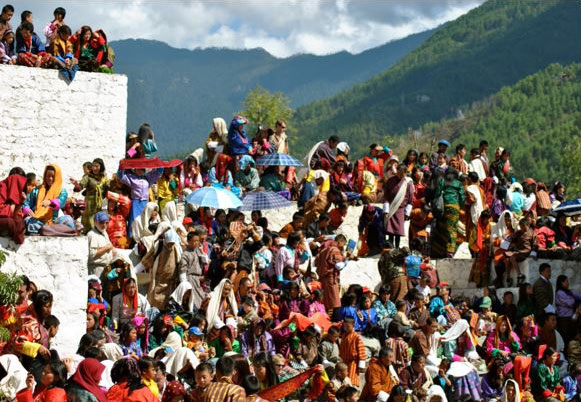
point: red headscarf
(88, 376)
(222, 167)
(126, 297)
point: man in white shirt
(101, 250)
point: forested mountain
(537, 119)
(179, 91)
(491, 46)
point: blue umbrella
(569, 207)
(214, 197)
(260, 200)
(278, 160)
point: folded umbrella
(260, 200)
(214, 197)
(278, 160)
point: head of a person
(42, 302)
(562, 283)
(384, 293)
(298, 220)
(54, 374)
(341, 241)
(280, 127)
(461, 150)
(24, 289)
(431, 326)
(505, 155)
(193, 240)
(128, 334)
(26, 16)
(333, 141)
(64, 32)
(443, 146)
(92, 322)
(7, 13)
(341, 371)
(59, 13)
(349, 325)
(548, 321)
(264, 368)
(52, 323)
(293, 240)
(402, 171)
(101, 220)
(333, 334)
(418, 362)
(49, 176)
(508, 298)
(225, 367)
(147, 367)
(130, 287)
(442, 160)
(401, 305)
(443, 291)
(550, 356)
(503, 324)
(545, 270)
(227, 289)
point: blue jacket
(36, 47)
(238, 142)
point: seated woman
(272, 180)
(341, 178)
(492, 381)
(502, 341)
(547, 387)
(128, 341)
(221, 174)
(43, 203)
(128, 304)
(247, 176)
(366, 315)
(89, 48)
(565, 236)
(191, 176)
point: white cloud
(282, 27)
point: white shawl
(477, 166)
(179, 293)
(180, 359)
(391, 209)
(503, 397)
(215, 299)
(477, 207)
(140, 226)
(112, 351)
(310, 154)
(173, 340)
(15, 379)
(500, 230)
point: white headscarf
(106, 380)
(140, 226)
(459, 327)
(436, 390)
(343, 147)
(173, 340)
(112, 351)
(170, 214)
(219, 127)
(180, 359)
(216, 298)
(15, 379)
(500, 230)
(179, 293)
(503, 397)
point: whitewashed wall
(43, 119)
(59, 265)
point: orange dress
(352, 351)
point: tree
(263, 108)
(572, 162)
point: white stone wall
(59, 265)
(43, 119)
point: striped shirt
(220, 392)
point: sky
(282, 27)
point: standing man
(329, 262)
(398, 192)
(101, 250)
(543, 288)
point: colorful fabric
(285, 388)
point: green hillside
(494, 45)
(179, 91)
(537, 119)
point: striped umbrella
(260, 200)
(569, 207)
(214, 197)
(278, 160)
